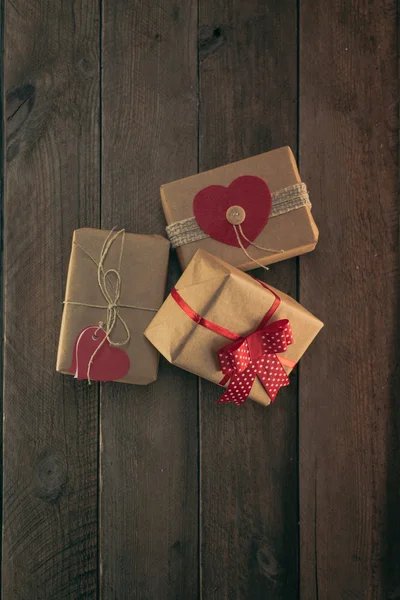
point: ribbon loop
(256, 356)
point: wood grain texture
(2, 168)
(149, 435)
(248, 499)
(50, 424)
(349, 437)
(84, 152)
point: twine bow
(111, 294)
(256, 356)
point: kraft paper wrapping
(143, 275)
(232, 299)
(294, 232)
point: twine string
(245, 251)
(111, 294)
(274, 251)
(239, 232)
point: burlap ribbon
(283, 201)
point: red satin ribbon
(200, 320)
(251, 356)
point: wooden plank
(50, 423)
(149, 435)
(2, 165)
(348, 392)
(249, 506)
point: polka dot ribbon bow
(256, 356)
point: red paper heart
(109, 363)
(249, 192)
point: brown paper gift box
(143, 277)
(232, 299)
(294, 232)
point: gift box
(232, 329)
(256, 209)
(115, 285)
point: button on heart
(109, 363)
(213, 204)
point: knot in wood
(50, 476)
(267, 564)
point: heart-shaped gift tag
(109, 363)
(249, 193)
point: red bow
(255, 356)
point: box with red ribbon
(232, 329)
(252, 212)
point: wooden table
(155, 493)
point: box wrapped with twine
(116, 283)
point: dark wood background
(155, 493)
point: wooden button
(235, 215)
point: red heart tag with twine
(109, 363)
(247, 192)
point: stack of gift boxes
(218, 321)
